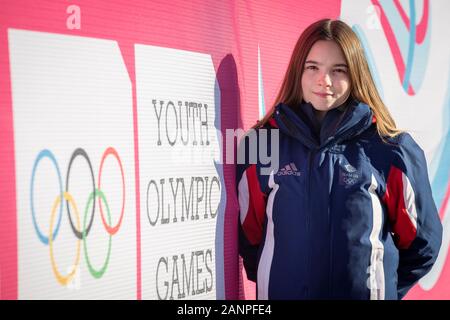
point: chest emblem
(348, 175)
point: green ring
(96, 273)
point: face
(325, 79)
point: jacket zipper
(330, 273)
(356, 130)
(308, 210)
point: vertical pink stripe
(129, 59)
(138, 197)
(127, 50)
(8, 235)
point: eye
(311, 67)
(340, 71)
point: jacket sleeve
(413, 216)
(252, 205)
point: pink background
(229, 31)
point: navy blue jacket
(345, 216)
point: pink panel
(230, 31)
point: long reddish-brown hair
(362, 86)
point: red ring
(109, 229)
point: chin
(322, 106)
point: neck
(320, 115)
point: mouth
(323, 95)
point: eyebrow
(336, 65)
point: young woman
(349, 214)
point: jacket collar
(341, 123)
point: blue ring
(45, 153)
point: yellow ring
(64, 280)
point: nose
(324, 79)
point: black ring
(80, 152)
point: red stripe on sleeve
(403, 228)
(254, 221)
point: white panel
(72, 92)
(179, 254)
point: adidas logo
(289, 170)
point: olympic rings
(41, 155)
(111, 230)
(64, 280)
(80, 234)
(80, 152)
(96, 274)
